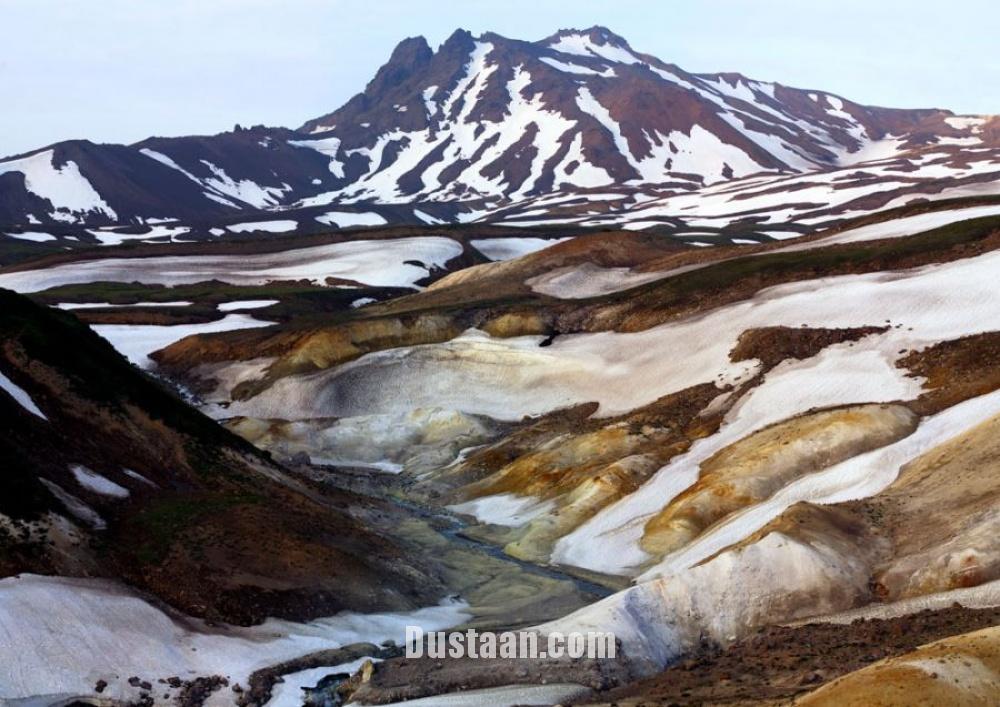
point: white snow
(777, 578)
(858, 477)
(427, 218)
(80, 510)
(589, 280)
(109, 236)
(35, 236)
(504, 509)
(20, 396)
(169, 162)
(513, 377)
(289, 692)
(348, 219)
(73, 632)
(71, 195)
(329, 147)
(509, 248)
(506, 696)
(582, 45)
(429, 105)
(137, 476)
(220, 200)
(245, 190)
(106, 305)
(982, 596)
(361, 302)
(973, 123)
(700, 152)
(576, 68)
(137, 341)
(246, 304)
(92, 481)
(897, 228)
(839, 375)
(269, 226)
(378, 263)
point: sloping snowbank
(509, 248)
(380, 263)
(621, 371)
(777, 578)
(109, 305)
(504, 509)
(859, 477)
(500, 697)
(839, 375)
(246, 304)
(589, 280)
(984, 596)
(70, 633)
(69, 192)
(137, 341)
(898, 228)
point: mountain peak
(598, 34)
(408, 58)
(410, 53)
(459, 38)
(488, 117)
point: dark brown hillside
(209, 524)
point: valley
(552, 336)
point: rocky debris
(772, 345)
(955, 370)
(962, 669)
(140, 683)
(778, 663)
(194, 693)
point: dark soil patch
(778, 663)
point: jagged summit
(481, 122)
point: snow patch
(504, 509)
(380, 263)
(94, 482)
(348, 219)
(74, 632)
(137, 341)
(33, 236)
(20, 396)
(70, 193)
(266, 226)
(246, 304)
(576, 68)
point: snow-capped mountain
(500, 118)
(478, 125)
